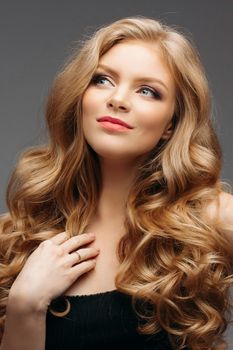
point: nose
(118, 102)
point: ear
(168, 131)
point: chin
(117, 154)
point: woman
(119, 230)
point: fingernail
(91, 234)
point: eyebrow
(139, 79)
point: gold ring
(79, 256)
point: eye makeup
(97, 77)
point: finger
(77, 241)
(83, 254)
(83, 267)
(60, 238)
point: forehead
(134, 45)
(135, 57)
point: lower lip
(112, 126)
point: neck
(117, 178)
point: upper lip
(107, 118)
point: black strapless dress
(100, 321)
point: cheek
(89, 102)
(155, 119)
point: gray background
(37, 36)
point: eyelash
(155, 93)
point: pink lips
(115, 121)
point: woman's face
(133, 85)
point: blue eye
(152, 92)
(100, 79)
(97, 78)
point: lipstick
(114, 123)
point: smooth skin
(54, 261)
(47, 273)
(121, 89)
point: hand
(53, 267)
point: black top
(99, 321)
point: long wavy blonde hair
(179, 261)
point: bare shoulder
(222, 210)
